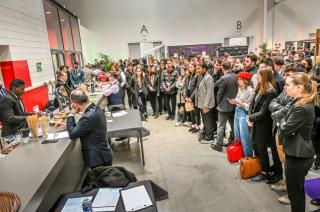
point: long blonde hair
(267, 81)
(310, 93)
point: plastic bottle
(87, 205)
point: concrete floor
(197, 178)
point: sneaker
(279, 187)
(179, 124)
(260, 177)
(206, 141)
(284, 200)
(216, 147)
(168, 117)
(195, 130)
(191, 129)
(172, 117)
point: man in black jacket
(227, 89)
(13, 114)
(91, 129)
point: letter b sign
(239, 25)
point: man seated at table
(13, 114)
(91, 129)
(114, 94)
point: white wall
(114, 23)
(22, 27)
(89, 48)
(294, 20)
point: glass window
(69, 60)
(75, 34)
(55, 61)
(61, 59)
(53, 27)
(66, 31)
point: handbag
(234, 151)
(189, 106)
(249, 167)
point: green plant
(264, 47)
(107, 62)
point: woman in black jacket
(296, 132)
(261, 122)
(139, 90)
(191, 84)
(154, 90)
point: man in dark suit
(13, 114)
(76, 75)
(227, 89)
(91, 129)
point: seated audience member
(242, 102)
(139, 88)
(91, 129)
(114, 94)
(76, 76)
(205, 100)
(227, 89)
(61, 93)
(13, 113)
(261, 122)
(121, 78)
(296, 134)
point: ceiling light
(48, 12)
(62, 20)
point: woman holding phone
(296, 134)
(242, 102)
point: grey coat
(205, 95)
(227, 87)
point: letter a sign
(144, 32)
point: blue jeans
(241, 130)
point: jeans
(154, 102)
(171, 108)
(241, 130)
(223, 117)
(162, 106)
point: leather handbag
(9, 202)
(189, 106)
(249, 167)
(234, 151)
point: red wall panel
(15, 70)
(37, 96)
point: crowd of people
(269, 100)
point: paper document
(106, 198)
(74, 204)
(119, 113)
(59, 135)
(136, 198)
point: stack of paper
(106, 199)
(119, 113)
(59, 135)
(136, 198)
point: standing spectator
(129, 74)
(140, 91)
(227, 89)
(205, 99)
(296, 132)
(261, 122)
(162, 106)
(242, 102)
(217, 74)
(183, 117)
(192, 83)
(207, 61)
(76, 75)
(169, 79)
(278, 73)
(250, 62)
(153, 83)
(121, 78)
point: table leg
(141, 144)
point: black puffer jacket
(168, 80)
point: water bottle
(87, 205)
